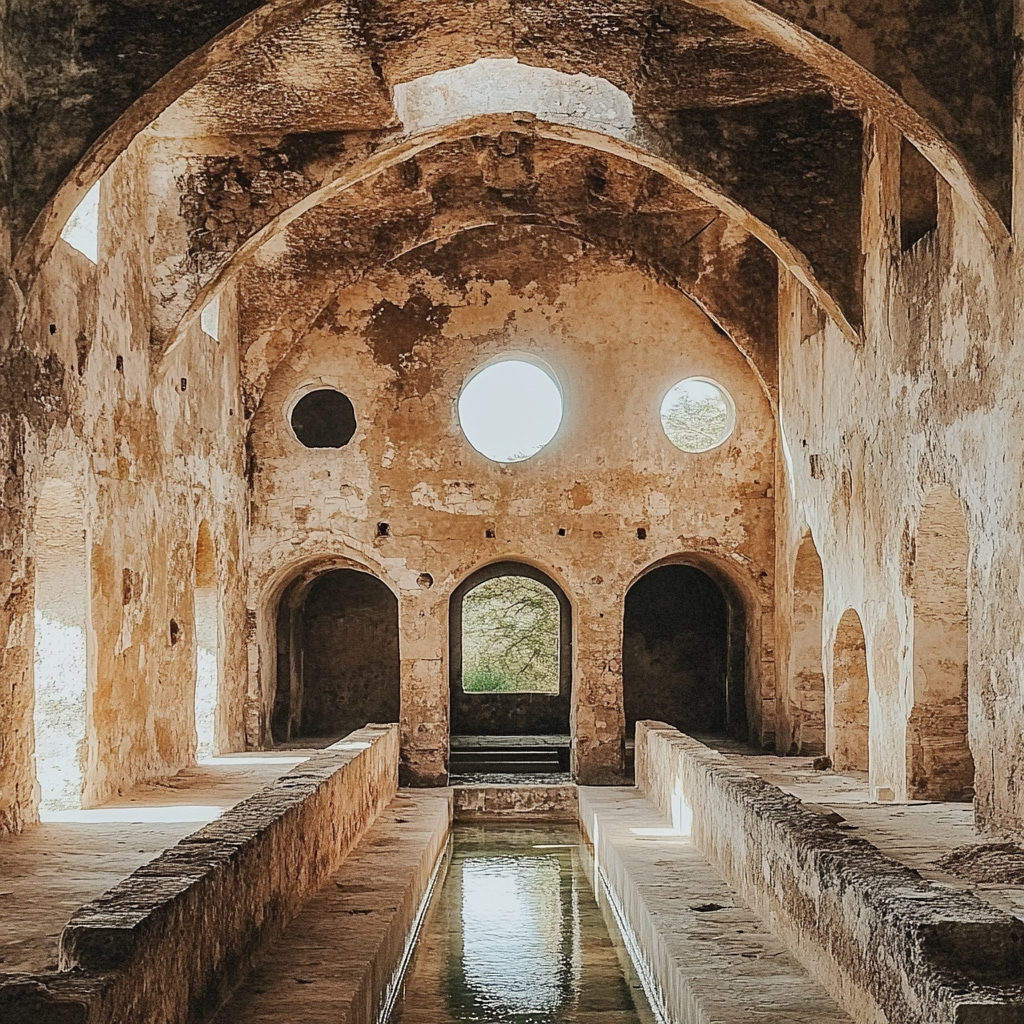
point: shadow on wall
(847, 733)
(939, 761)
(338, 656)
(807, 680)
(676, 654)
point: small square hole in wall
(119, 364)
(383, 529)
(184, 384)
(175, 632)
(490, 534)
(641, 533)
(561, 531)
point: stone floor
(918, 834)
(50, 870)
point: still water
(515, 936)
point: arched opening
(807, 680)
(510, 670)
(939, 761)
(206, 612)
(61, 646)
(338, 656)
(683, 653)
(846, 715)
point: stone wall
(889, 946)
(607, 499)
(171, 941)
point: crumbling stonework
(745, 224)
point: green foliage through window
(696, 415)
(510, 637)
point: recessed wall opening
(324, 419)
(846, 714)
(680, 664)
(206, 611)
(807, 680)
(919, 196)
(510, 410)
(338, 656)
(939, 761)
(511, 655)
(61, 648)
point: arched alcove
(683, 652)
(206, 612)
(939, 761)
(846, 714)
(61, 646)
(504, 620)
(807, 680)
(338, 656)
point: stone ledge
(889, 946)
(174, 938)
(348, 942)
(707, 956)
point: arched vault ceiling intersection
(512, 209)
(82, 74)
(515, 183)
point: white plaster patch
(504, 86)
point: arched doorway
(847, 712)
(338, 656)
(807, 680)
(939, 761)
(510, 671)
(61, 646)
(206, 615)
(683, 653)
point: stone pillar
(423, 628)
(597, 720)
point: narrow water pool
(514, 935)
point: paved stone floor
(918, 834)
(50, 870)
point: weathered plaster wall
(930, 397)
(153, 458)
(400, 344)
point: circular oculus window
(509, 410)
(324, 419)
(698, 415)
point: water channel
(514, 935)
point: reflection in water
(514, 936)
(512, 933)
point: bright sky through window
(510, 410)
(82, 231)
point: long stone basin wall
(887, 944)
(169, 943)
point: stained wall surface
(400, 344)
(754, 221)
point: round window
(697, 415)
(324, 419)
(510, 410)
